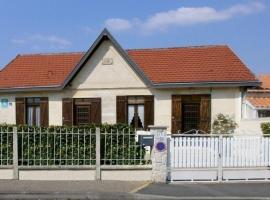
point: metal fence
(6, 146)
(56, 147)
(62, 147)
(121, 148)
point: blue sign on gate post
(160, 146)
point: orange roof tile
(265, 79)
(168, 65)
(191, 64)
(259, 102)
(37, 70)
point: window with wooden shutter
(148, 111)
(137, 111)
(44, 112)
(121, 109)
(67, 111)
(205, 118)
(20, 111)
(81, 111)
(176, 113)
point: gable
(96, 74)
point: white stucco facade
(108, 81)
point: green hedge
(265, 128)
(51, 149)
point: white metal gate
(218, 157)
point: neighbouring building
(257, 105)
(182, 88)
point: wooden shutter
(121, 109)
(176, 113)
(148, 111)
(44, 112)
(96, 111)
(205, 114)
(20, 111)
(67, 111)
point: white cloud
(37, 41)
(184, 16)
(118, 24)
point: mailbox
(146, 140)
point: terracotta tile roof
(168, 65)
(259, 102)
(191, 64)
(36, 70)
(265, 79)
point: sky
(36, 26)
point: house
(257, 106)
(182, 88)
(258, 100)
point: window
(81, 111)
(136, 116)
(263, 113)
(136, 112)
(191, 116)
(82, 115)
(33, 111)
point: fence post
(220, 156)
(159, 154)
(15, 153)
(98, 171)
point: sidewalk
(15, 186)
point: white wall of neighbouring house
(252, 126)
(108, 81)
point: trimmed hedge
(68, 148)
(265, 128)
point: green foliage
(223, 124)
(265, 128)
(62, 145)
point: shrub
(36, 147)
(265, 128)
(223, 124)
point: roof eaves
(207, 84)
(31, 89)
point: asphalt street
(14, 189)
(240, 190)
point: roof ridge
(154, 48)
(51, 53)
(179, 47)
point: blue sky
(31, 26)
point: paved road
(12, 189)
(254, 190)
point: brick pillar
(159, 154)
